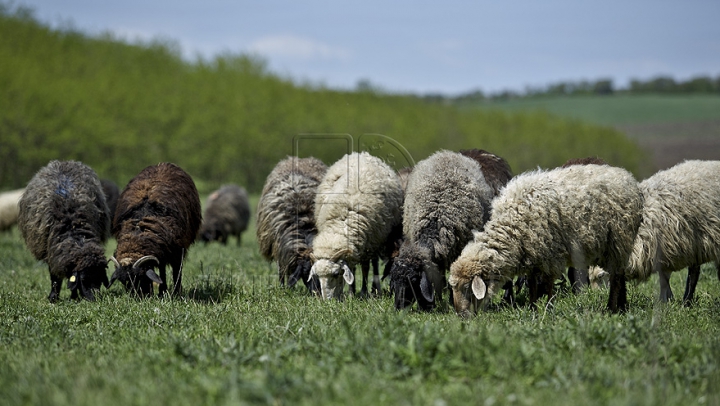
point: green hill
(119, 107)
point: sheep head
(137, 276)
(472, 284)
(331, 275)
(302, 272)
(410, 278)
(87, 277)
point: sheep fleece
(358, 203)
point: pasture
(237, 337)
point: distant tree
(603, 87)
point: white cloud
(289, 46)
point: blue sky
(425, 46)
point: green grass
(618, 109)
(236, 337)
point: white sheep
(681, 225)
(9, 208)
(358, 203)
(543, 221)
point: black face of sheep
(409, 283)
(86, 282)
(137, 277)
(302, 272)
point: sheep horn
(145, 259)
(115, 261)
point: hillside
(671, 128)
(120, 107)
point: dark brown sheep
(227, 213)
(157, 218)
(65, 222)
(496, 169)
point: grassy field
(618, 110)
(236, 337)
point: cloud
(289, 46)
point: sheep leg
(376, 287)
(579, 278)
(533, 281)
(365, 266)
(690, 284)
(55, 285)
(617, 300)
(665, 291)
(163, 287)
(508, 296)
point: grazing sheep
(580, 278)
(681, 225)
(358, 203)
(286, 217)
(227, 213)
(9, 208)
(447, 198)
(157, 218)
(112, 193)
(545, 220)
(65, 222)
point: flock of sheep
(461, 213)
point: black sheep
(227, 213)
(65, 222)
(157, 218)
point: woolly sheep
(227, 213)
(157, 218)
(358, 203)
(681, 225)
(286, 217)
(545, 220)
(447, 198)
(9, 208)
(580, 278)
(65, 222)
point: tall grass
(236, 337)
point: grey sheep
(286, 217)
(227, 214)
(447, 198)
(681, 225)
(358, 203)
(65, 222)
(545, 220)
(9, 208)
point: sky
(450, 47)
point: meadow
(237, 337)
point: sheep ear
(478, 287)
(312, 273)
(348, 275)
(153, 276)
(426, 288)
(113, 278)
(73, 281)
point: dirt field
(671, 143)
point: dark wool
(65, 222)
(158, 214)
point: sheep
(681, 225)
(9, 208)
(112, 192)
(227, 213)
(447, 198)
(580, 278)
(65, 222)
(157, 218)
(358, 203)
(496, 170)
(545, 220)
(286, 217)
